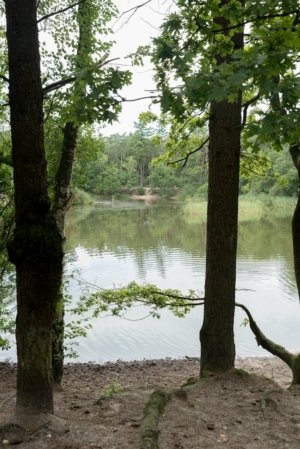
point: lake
(115, 242)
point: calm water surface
(115, 243)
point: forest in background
(55, 97)
(127, 163)
(122, 164)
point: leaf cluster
(117, 301)
(189, 74)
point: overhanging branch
(267, 344)
(177, 297)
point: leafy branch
(60, 11)
(119, 300)
(265, 17)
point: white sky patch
(131, 32)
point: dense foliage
(121, 163)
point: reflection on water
(115, 243)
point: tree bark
(292, 360)
(217, 335)
(35, 247)
(61, 203)
(295, 154)
(62, 190)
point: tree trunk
(61, 203)
(295, 154)
(142, 168)
(62, 191)
(36, 247)
(217, 335)
(292, 360)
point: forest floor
(102, 407)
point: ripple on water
(117, 242)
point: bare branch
(267, 344)
(59, 11)
(148, 23)
(185, 158)
(296, 21)
(192, 304)
(134, 9)
(267, 16)
(58, 84)
(108, 61)
(188, 298)
(157, 12)
(246, 106)
(4, 78)
(137, 99)
(50, 107)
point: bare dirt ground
(147, 196)
(101, 407)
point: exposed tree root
(266, 401)
(154, 407)
(6, 400)
(293, 361)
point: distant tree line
(123, 163)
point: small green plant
(245, 322)
(241, 372)
(112, 388)
(141, 191)
(81, 198)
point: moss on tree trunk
(35, 247)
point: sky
(131, 32)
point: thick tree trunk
(295, 154)
(216, 335)
(35, 248)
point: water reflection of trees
(120, 231)
(150, 234)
